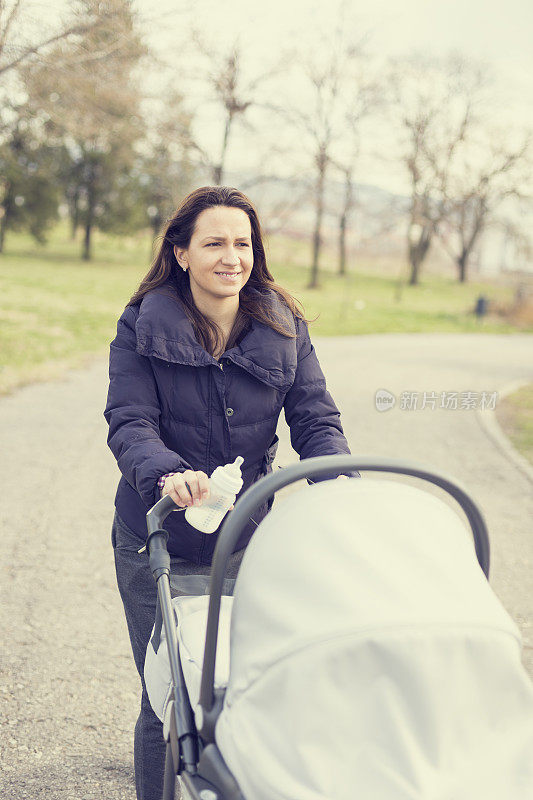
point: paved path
(69, 688)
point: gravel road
(68, 683)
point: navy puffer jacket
(171, 406)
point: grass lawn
(515, 415)
(57, 310)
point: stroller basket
(191, 715)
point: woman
(208, 352)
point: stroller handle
(261, 491)
(158, 513)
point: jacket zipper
(209, 423)
(227, 431)
(208, 453)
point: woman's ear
(180, 258)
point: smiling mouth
(228, 274)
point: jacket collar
(164, 331)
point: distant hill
(291, 200)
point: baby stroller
(363, 653)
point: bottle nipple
(234, 467)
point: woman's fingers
(198, 483)
(187, 488)
(203, 485)
(176, 488)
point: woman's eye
(215, 244)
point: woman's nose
(230, 257)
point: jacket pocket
(266, 467)
(270, 455)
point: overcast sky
(498, 33)
(496, 29)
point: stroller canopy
(370, 658)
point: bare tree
(231, 91)
(17, 47)
(435, 103)
(347, 169)
(320, 119)
(364, 98)
(476, 192)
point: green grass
(56, 310)
(515, 415)
(370, 300)
(365, 303)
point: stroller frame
(192, 752)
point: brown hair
(165, 270)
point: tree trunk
(218, 171)
(313, 282)
(3, 226)
(74, 224)
(74, 215)
(89, 219)
(348, 202)
(414, 261)
(342, 245)
(462, 264)
(418, 251)
(317, 238)
(7, 205)
(86, 255)
(468, 246)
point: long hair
(166, 272)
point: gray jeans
(138, 592)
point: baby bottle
(224, 485)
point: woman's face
(219, 258)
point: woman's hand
(179, 484)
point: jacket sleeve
(312, 416)
(132, 412)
